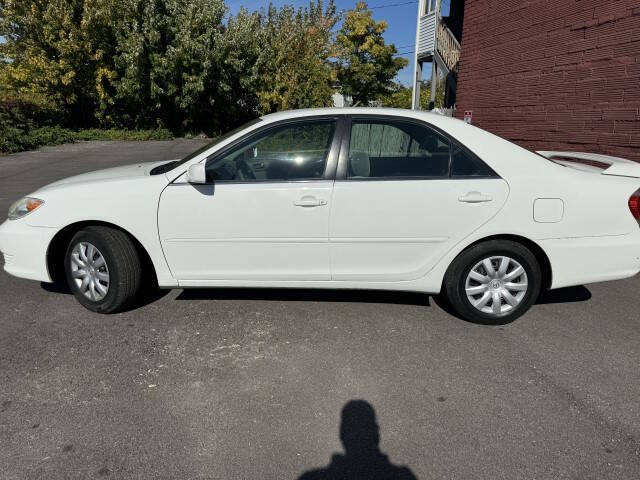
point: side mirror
(197, 174)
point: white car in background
(353, 198)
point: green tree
(366, 66)
(401, 97)
(133, 63)
(186, 65)
(56, 53)
(294, 66)
(166, 60)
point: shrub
(16, 139)
(13, 139)
(119, 134)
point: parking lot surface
(250, 384)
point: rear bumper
(578, 261)
(25, 249)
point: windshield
(166, 167)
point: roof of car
(397, 112)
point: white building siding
(340, 100)
(427, 34)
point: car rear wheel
(103, 269)
(493, 282)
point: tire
(114, 273)
(473, 295)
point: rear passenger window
(464, 164)
(394, 148)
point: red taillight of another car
(634, 205)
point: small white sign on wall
(468, 116)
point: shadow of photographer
(362, 458)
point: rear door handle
(475, 197)
(310, 201)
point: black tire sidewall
(107, 303)
(455, 284)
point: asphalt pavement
(250, 384)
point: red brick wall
(554, 74)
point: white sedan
(338, 198)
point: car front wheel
(103, 269)
(493, 282)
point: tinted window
(464, 164)
(290, 152)
(394, 148)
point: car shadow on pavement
(561, 295)
(564, 295)
(145, 297)
(307, 295)
(56, 288)
(362, 458)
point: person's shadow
(362, 458)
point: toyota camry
(356, 198)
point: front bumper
(25, 249)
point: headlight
(23, 207)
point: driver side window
(295, 151)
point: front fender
(128, 204)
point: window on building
(430, 6)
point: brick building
(553, 74)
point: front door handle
(475, 197)
(310, 201)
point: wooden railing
(448, 47)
